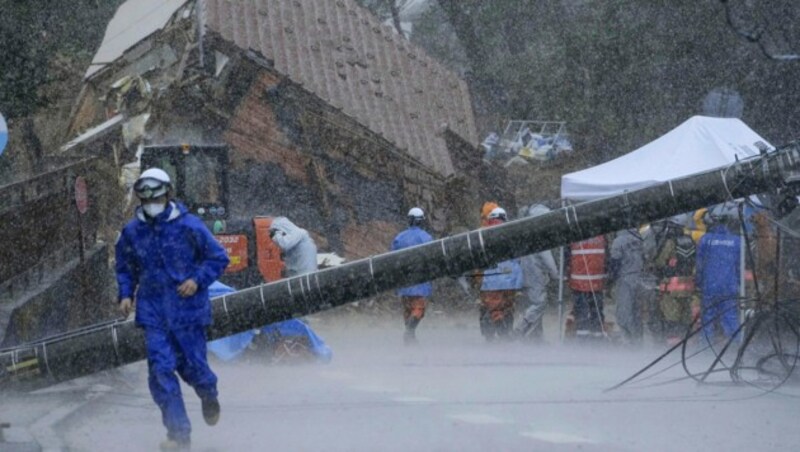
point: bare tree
(772, 26)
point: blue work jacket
(718, 264)
(155, 256)
(506, 275)
(413, 236)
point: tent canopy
(699, 144)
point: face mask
(153, 210)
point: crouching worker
(499, 289)
(165, 260)
(298, 249)
(415, 298)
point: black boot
(211, 410)
(410, 336)
(487, 326)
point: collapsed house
(331, 118)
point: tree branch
(755, 37)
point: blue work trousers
(183, 351)
(722, 310)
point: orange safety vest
(588, 265)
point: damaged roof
(133, 21)
(341, 53)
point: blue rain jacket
(413, 236)
(506, 275)
(155, 256)
(718, 263)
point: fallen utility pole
(105, 346)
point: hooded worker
(166, 259)
(499, 289)
(634, 287)
(298, 248)
(537, 269)
(414, 298)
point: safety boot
(211, 410)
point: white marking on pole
(725, 183)
(225, 305)
(575, 216)
(319, 291)
(372, 276)
(671, 190)
(302, 288)
(483, 249)
(46, 362)
(115, 340)
(263, 302)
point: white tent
(699, 144)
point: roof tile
(344, 55)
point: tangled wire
(762, 352)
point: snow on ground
(452, 392)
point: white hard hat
(152, 183)
(498, 212)
(416, 212)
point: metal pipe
(92, 350)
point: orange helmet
(487, 208)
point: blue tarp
(230, 347)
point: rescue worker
(698, 227)
(633, 292)
(718, 272)
(414, 298)
(165, 261)
(675, 263)
(587, 274)
(499, 288)
(537, 270)
(298, 249)
(766, 261)
(487, 209)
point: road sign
(3, 134)
(81, 195)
